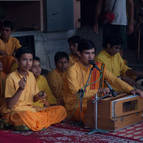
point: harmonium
(115, 112)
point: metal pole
(96, 130)
(96, 106)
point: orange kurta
(7, 62)
(73, 59)
(14, 67)
(44, 86)
(114, 64)
(9, 48)
(76, 78)
(56, 82)
(2, 88)
(23, 111)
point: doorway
(88, 8)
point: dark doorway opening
(27, 41)
(24, 14)
(88, 8)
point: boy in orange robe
(21, 91)
(42, 84)
(2, 87)
(73, 44)
(77, 76)
(8, 46)
(56, 77)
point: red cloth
(9, 137)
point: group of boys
(31, 101)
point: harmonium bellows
(115, 112)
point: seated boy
(42, 84)
(2, 86)
(113, 61)
(21, 92)
(8, 46)
(76, 82)
(73, 44)
(55, 77)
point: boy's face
(5, 32)
(36, 68)
(25, 62)
(114, 49)
(62, 64)
(86, 55)
(73, 48)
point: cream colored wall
(47, 44)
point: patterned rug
(133, 131)
(67, 133)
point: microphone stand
(82, 91)
(113, 92)
(95, 102)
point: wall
(47, 44)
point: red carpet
(134, 132)
(9, 137)
(66, 133)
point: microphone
(113, 92)
(92, 62)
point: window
(25, 14)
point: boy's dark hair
(36, 59)
(112, 40)
(60, 55)
(7, 23)
(21, 51)
(74, 39)
(85, 45)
